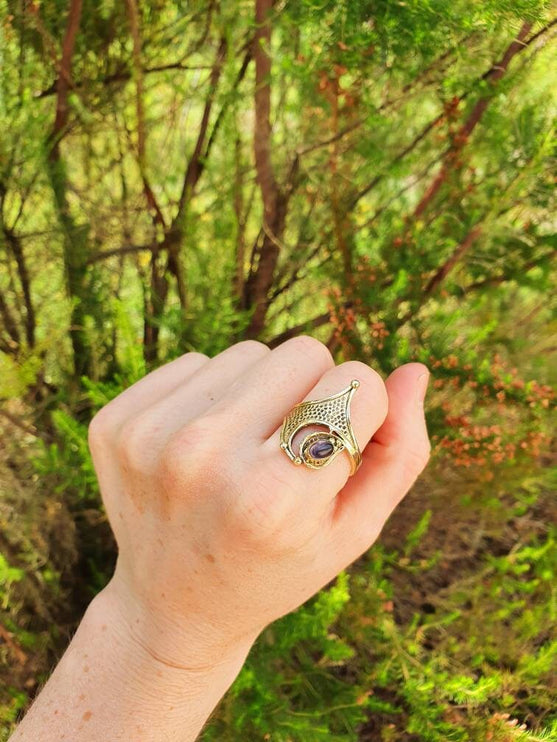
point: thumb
(404, 431)
(392, 460)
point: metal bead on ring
(319, 448)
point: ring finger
(368, 410)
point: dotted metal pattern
(331, 411)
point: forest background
(178, 176)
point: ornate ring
(319, 448)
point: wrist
(118, 688)
(159, 658)
(161, 639)
(109, 686)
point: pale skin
(218, 532)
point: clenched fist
(218, 532)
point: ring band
(319, 448)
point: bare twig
(493, 75)
(133, 18)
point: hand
(218, 532)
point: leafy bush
(401, 208)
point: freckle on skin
(103, 627)
(81, 696)
(85, 668)
(87, 715)
(209, 557)
(163, 595)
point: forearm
(106, 686)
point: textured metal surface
(333, 412)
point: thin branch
(21, 424)
(334, 138)
(393, 199)
(9, 323)
(389, 103)
(64, 81)
(133, 18)
(195, 164)
(238, 202)
(13, 645)
(457, 255)
(502, 278)
(318, 321)
(240, 76)
(14, 243)
(289, 274)
(124, 250)
(493, 75)
(262, 135)
(274, 199)
(296, 274)
(122, 76)
(400, 156)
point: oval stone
(321, 449)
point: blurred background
(177, 176)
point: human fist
(218, 532)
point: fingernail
(421, 384)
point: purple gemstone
(321, 449)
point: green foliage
(68, 461)
(412, 151)
(449, 673)
(8, 575)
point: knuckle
(193, 455)
(104, 425)
(253, 523)
(100, 429)
(261, 511)
(133, 442)
(192, 357)
(313, 348)
(195, 355)
(417, 456)
(192, 361)
(254, 347)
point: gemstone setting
(319, 448)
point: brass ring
(319, 448)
